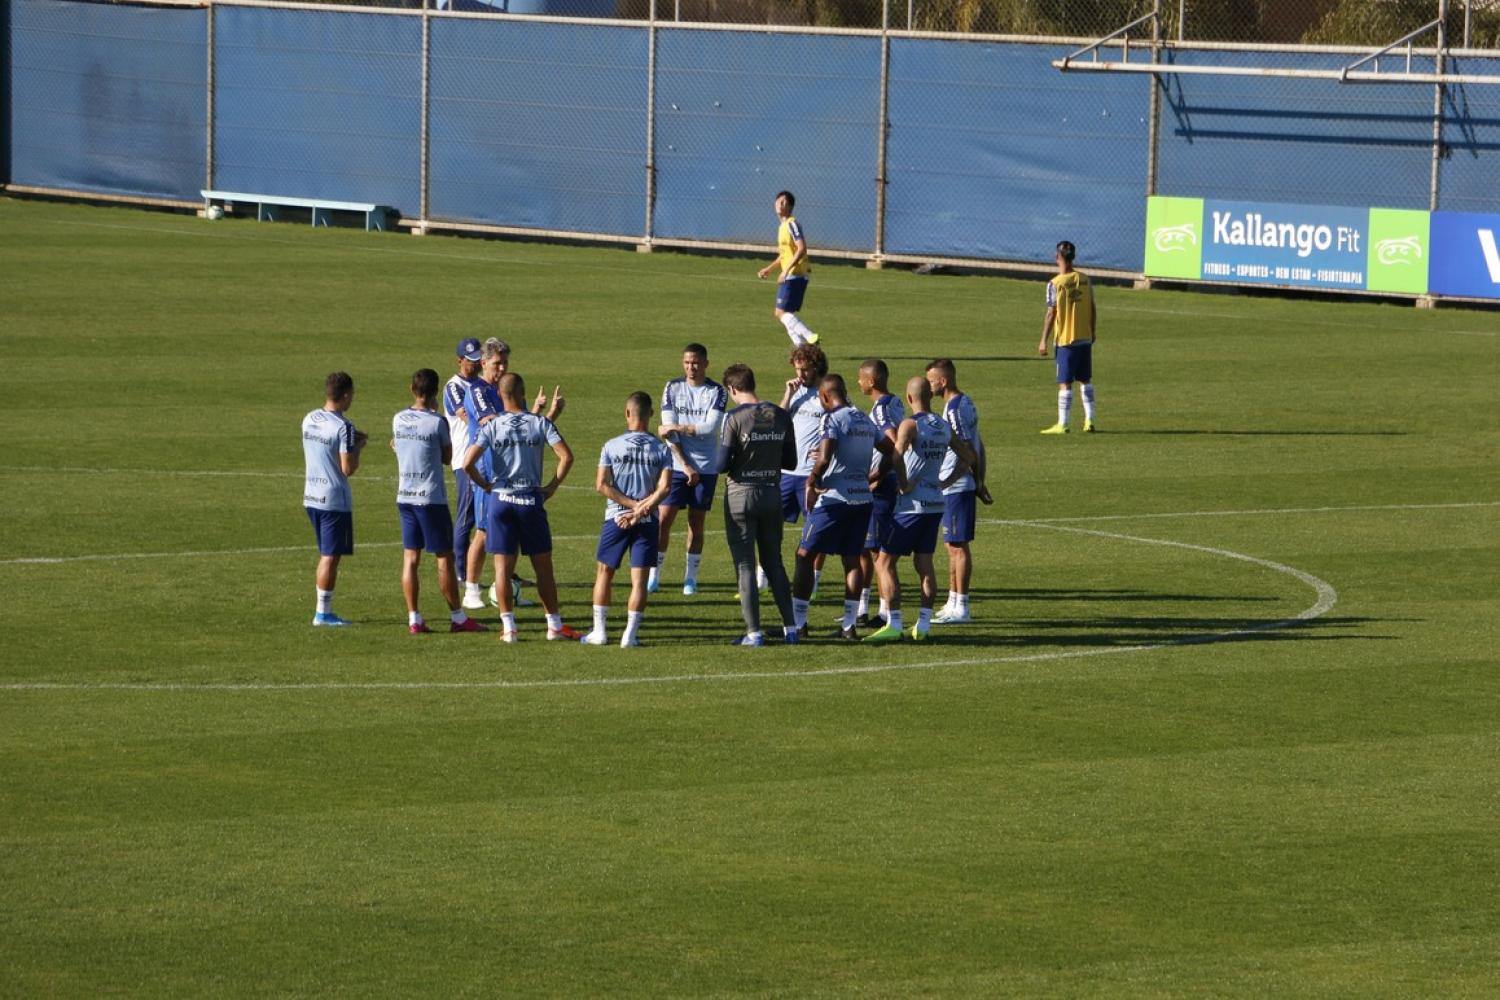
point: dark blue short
(640, 540)
(1075, 363)
(335, 530)
(836, 529)
(881, 511)
(789, 293)
(793, 497)
(512, 527)
(426, 526)
(912, 534)
(958, 517)
(700, 497)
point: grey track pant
(753, 522)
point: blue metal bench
(266, 205)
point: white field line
(1326, 598)
(1029, 522)
(209, 473)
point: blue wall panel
(108, 99)
(740, 116)
(318, 104)
(538, 125)
(993, 153)
(1469, 176)
(1286, 140)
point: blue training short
(882, 510)
(335, 530)
(700, 497)
(912, 534)
(793, 497)
(958, 517)
(463, 522)
(789, 293)
(426, 526)
(1075, 363)
(836, 529)
(482, 503)
(516, 526)
(640, 540)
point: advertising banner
(1400, 251)
(1465, 255)
(1311, 246)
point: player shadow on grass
(1220, 432)
(1082, 594)
(1120, 630)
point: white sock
(817, 577)
(797, 327)
(554, 622)
(1088, 401)
(414, 618)
(458, 617)
(885, 609)
(851, 610)
(692, 566)
(632, 627)
(790, 321)
(952, 601)
(508, 621)
(799, 612)
(1064, 404)
(661, 559)
(864, 601)
(325, 601)
(893, 619)
(471, 589)
(924, 619)
(962, 605)
(761, 580)
(601, 614)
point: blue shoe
(653, 584)
(329, 618)
(689, 588)
(792, 638)
(745, 640)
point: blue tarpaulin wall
(991, 153)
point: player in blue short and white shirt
(887, 413)
(420, 438)
(516, 520)
(958, 498)
(923, 441)
(691, 409)
(331, 446)
(838, 499)
(469, 358)
(635, 474)
(801, 402)
(481, 405)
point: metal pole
(1181, 19)
(208, 173)
(1154, 118)
(650, 125)
(1468, 21)
(1437, 105)
(426, 137)
(883, 133)
(909, 4)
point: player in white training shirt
(691, 408)
(330, 449)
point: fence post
(1154, 116)
(645, 245)
(1437, 105)
(208, 161)
(426, 136)
(884, 133)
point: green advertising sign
(1398, 251)
(1174, 237)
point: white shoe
(595, 639)
(630, 643)
(689, 587)
(951, 617)
(473, 601)
(508, 636)
(761, 580)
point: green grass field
(1227, 723)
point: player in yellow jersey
(791, 261)
(1070, 321)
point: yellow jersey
(787, 236)
(1072, 296)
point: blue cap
(468, 349)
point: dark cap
(469, 349)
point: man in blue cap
(469, 355)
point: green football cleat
(813, 338)
(1088, 427)
(1056, 429)
(917, 635)
(886, 634)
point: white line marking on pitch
(1039, 522)
(1327, 597)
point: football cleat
(1055, 429)
(917, 634)
(629, 643)
(886, 634)
(566, 632)
(745, 640)
(420, 628)
(473, 602)
(812, 338)
(1088, 427)
(329, 619)
(508, 635)
(848, 635)
(950, 617)
(592, 639)
(689, 588)
(791, 637)
(467, 625)
(653, 583)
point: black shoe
(848, 635)
(872, 622)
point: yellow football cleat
(1088, 427)
(1056, 429)
(917, 635)
(812, 338)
